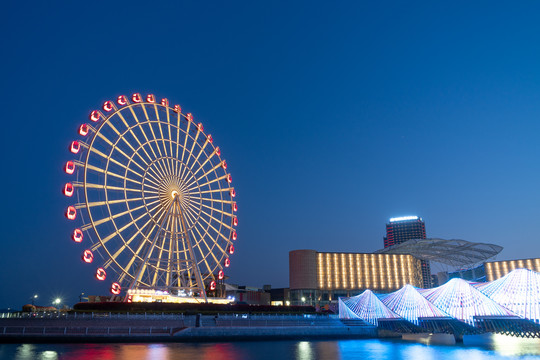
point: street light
(57, 301)
(34, 298)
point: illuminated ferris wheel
(154, 197)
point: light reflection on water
(498, 348)
(511, 346)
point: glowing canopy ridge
(518, 291)
(367, 307)
(410, 304)
(462, 301)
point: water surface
(499, 348)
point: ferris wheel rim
(205, 240)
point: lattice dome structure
(453, 252)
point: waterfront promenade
(114, 327)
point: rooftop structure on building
(453, 252)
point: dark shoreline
(169, 339)
(114, 328)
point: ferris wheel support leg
(142, 267)
(196, 269)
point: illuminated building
(319, 278)
(497, 269)
(401, 229)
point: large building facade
(497, 269)
(405, 228)
(319, 278)
(492, 270)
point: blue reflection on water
(295, 350)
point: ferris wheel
(154, 198)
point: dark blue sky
(332, 118)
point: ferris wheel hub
(174, 194)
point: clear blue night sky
(332, 118)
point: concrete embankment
(110, 327)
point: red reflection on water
(91, 352)
(219, 351)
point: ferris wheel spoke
(115, 147)
(123, 138)
(133, 133)
(158, 169)
(220, 201)
(155, 187)
(169, 278)
(177, 147)
(215, 242)
(134, 236)
(185, 138)
(208, 182)
(167, 157)
(191, 150)
(152, 178)
(173, 163)
(114, 161)
(160, 254)
(184, 239)
(209, 250)
(210, 271)
(143, 132)
(131, 159)
(190, 215)
(216, 230)
(106, 239)
(208, 172)
(219, 211)
(223, 223)
(110, 173)
(205, 161)
(115, 216)
(155, 174)
(111, 202)
(151, 129)
(107, 187)
(201, 150)
(162, 138)
(216, 191)
(192, 204)
(143, 264)
(190, 201)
